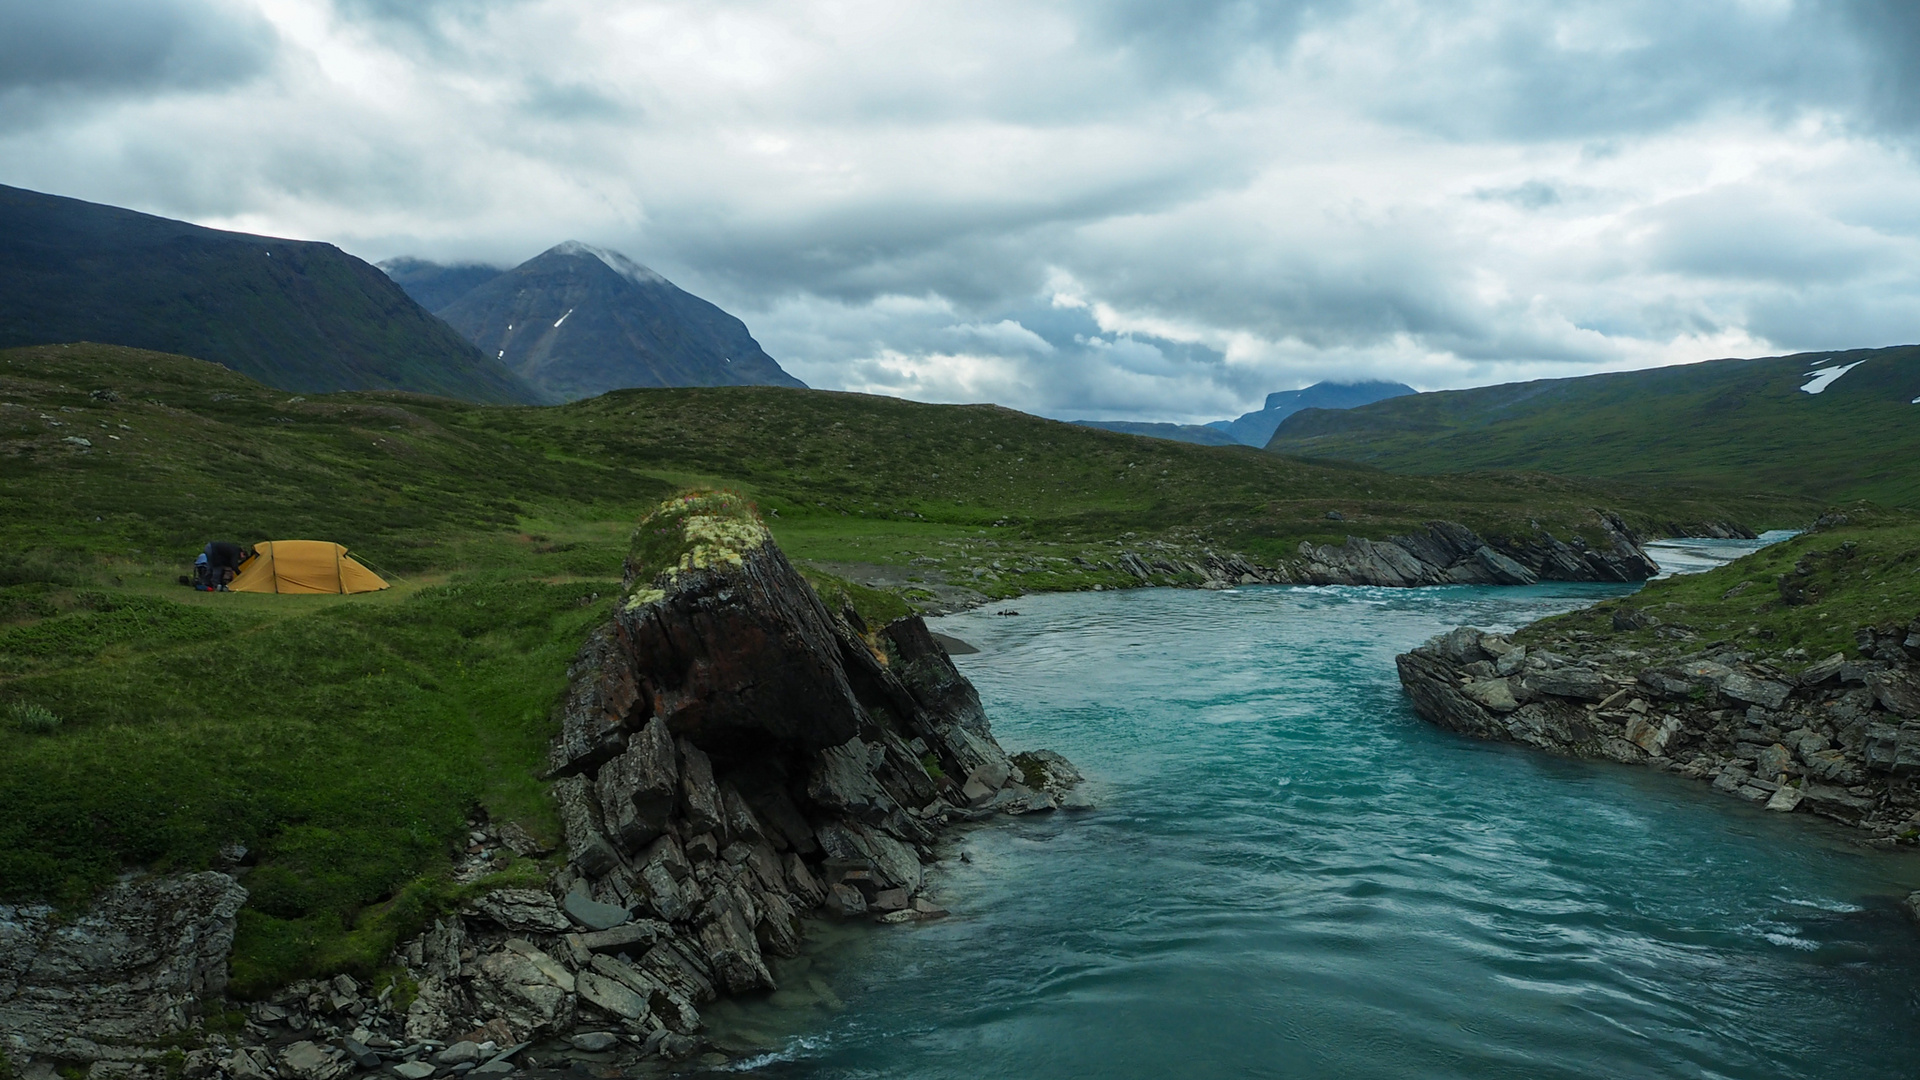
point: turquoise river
(1290, 874)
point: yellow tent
(303, 566)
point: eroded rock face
(1452, 554)
(129, 971)
(1838, 738)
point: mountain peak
(618, 263)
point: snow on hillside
(1827, 377)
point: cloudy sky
(1114, 209)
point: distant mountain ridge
(1255, 428)
(434, 286)
(1188, 433)
(1831, 425)
(297, 315)
(577, 321)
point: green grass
(345, 740)
(1866, 572)
(1736, 425)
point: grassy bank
(1801, 600)
(345, 740)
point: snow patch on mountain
(1826, 377)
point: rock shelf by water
(1839, 738)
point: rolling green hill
(345, 739)
(296, 315)
(1734, 425)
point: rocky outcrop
(131, 969)
(732, 755)
(1839, 737)
(1452, 554)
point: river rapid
(1292, 875)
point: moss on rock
(694, 530)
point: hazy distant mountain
(434, 286)
(1256, 428)
(576, 321)
(1190, 433)
(293, 314)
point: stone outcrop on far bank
(1839, 738)
(731, 757)
(1448, 553)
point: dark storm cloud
(129, 46)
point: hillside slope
(577, 321)
(297, 315)
(1743, 425)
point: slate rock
(414, 1070)
(593, 1042)
(583, 827)
(462, 1052)
(1492, 694)
(845, 901)
(1763, 692)
(1785, 800)
(310, 1061)
(638, 789)
(525, 910)
(360, 1054)
(1569, 682)
(593, 914)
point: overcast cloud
(1126, 210)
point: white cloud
(921, 199)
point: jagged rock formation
(130, 970)
(732, 754)
(1840, 737)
